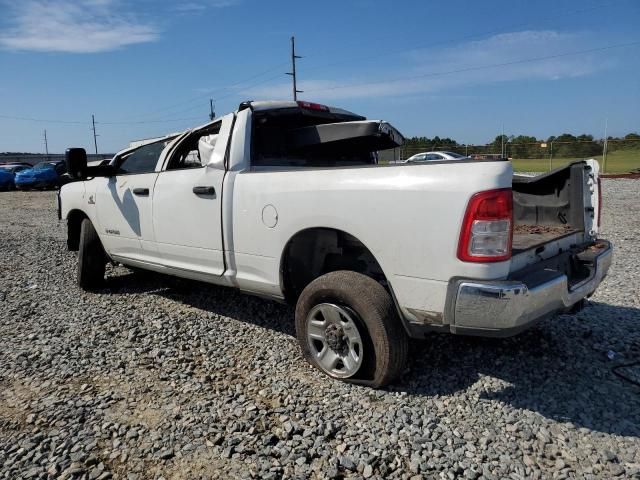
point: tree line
(526, 146)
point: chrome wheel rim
(334, 340)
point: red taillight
(599, 201)
(487, 228)
(313, 106)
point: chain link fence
(614, 155)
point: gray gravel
(158, 377)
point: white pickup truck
(287, 200)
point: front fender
(72, 197)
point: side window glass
(196, 150)
(142, 160)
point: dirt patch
(541, 229)
(14, 399)
(201, 464)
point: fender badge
(91, 201)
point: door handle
(204, 190)
(143, 192)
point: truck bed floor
(527, 236)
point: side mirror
(75, 160)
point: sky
(458, 69)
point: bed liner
(526, 236)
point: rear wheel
(91, 258)
(348, 328)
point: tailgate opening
(552, 206)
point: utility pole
(293, 69)
(46, 145)
(212, 114)
(502, 142)
(95, 136)
(604, 147)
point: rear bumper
(503, 308)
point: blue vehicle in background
(42, 175)
(8, 172)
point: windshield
(454, 154)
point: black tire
(91, 258)
(385, 342)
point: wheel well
(74, 222)
(316, 251)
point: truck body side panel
(408, 216)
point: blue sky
(458, 68)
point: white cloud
(199, 6)
(431, 70)
(75, 26)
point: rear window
(272, 141)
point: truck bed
(527, 236)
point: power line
(91, 123)
(233, 94)
(335, 87)
(144, 122)
(30, 119)
(262, 82)
(210, 90)
(191, 108)
(477, 67)
(458, 39)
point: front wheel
(92, 259)
(348, 328)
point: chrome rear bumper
(503, 308)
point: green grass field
(621, 161)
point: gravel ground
(158, 377)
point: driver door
(123, 203)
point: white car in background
(435, 157)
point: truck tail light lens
(487, 228)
